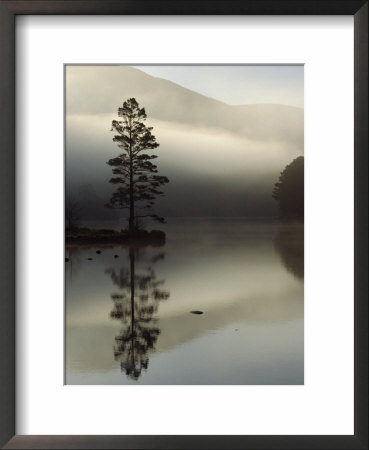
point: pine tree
(135, 174)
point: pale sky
(238, 84)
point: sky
(238, 84)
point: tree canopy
(133, 169)
(289, 190)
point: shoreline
(106, 236)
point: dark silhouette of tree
(135, 174)
(135, 305)
(289, 190)
(73, 263)
(289, 243)
(72, 213)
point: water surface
(128, 310)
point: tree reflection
(289, 243)
(73, 262)
(135, 305)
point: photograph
(164, 242)
(184, 224)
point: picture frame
(8, 12)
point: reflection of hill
(182, 328)
(290, 246)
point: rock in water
(90, 259)
(98, 252)
(116, 256)
(196, 312)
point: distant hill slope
(165, 100)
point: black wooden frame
(8, 11)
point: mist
(221, 160)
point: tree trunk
(131, 213)
(132, 282)
(131, 200)
(133, 324)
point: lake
(129, 311)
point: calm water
(129, 321)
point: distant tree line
(289, 190)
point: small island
(84, 235)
